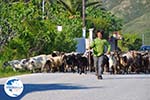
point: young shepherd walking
(99, 45)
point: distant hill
(135, 14)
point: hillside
(140, 24)
(135, 14)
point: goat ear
(62, 53)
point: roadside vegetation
(9, 72)
(27, 30)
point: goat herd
(114, 63)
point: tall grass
(8, 72)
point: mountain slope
(135, 14)
(140, 24)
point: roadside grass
(8, 72)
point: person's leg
(96, 64)
(100, 64)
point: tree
(131, 42)
(33, 35)
(73, 6)
(101, 19)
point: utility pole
(83, 12)
(43, 10)
(89, 52)
(83, 19)
(143, 39)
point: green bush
(131, 42)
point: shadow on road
(28, 88)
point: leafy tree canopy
(26, 30)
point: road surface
(72, 86)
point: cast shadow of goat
(28, 88)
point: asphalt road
(69, 86)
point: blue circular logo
(13, 87)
